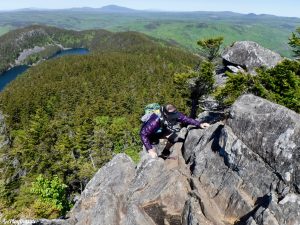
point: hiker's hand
(204, 125)
(152, 153)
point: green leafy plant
(281, 84)
(52, 192)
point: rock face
(272, 132)
(250, 55)
(249, 166)
(153, 193)
(26, 53)
(4, 140)
(241, 171)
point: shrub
(203, 80)
(52, 194)
(280, 84)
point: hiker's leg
(172, 139)
(166, 152)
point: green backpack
(149, 110)
(153, 108)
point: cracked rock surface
(239, 171)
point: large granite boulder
(250, 55)
(271, 131)
(249, 165)
(103, 196)
(154, 192)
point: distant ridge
(116, 8)
(121, 9)
(107, 9)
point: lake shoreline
(13, 72)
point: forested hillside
(178, 28)
(53, 39)
(14, 42)
(66, 117)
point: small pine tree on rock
(210, 48)
(294, 42)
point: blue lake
(11, 74)
(73, 51)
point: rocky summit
(243, 170)
(250, 55)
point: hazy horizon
(289, 8)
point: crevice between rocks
(160, 217)
(263, 202)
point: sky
(289, 8)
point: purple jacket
(153, 124)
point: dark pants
(172, 138)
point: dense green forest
(14, 42)
(183, 29)
(69, 116)
(52, 38)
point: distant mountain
(50, 40)
(29, 9)
(106, 9)
(115, 8)
(88, 9)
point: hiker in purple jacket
(169, 120)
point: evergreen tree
(193, 85)
(210, 48)
(294, 42)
